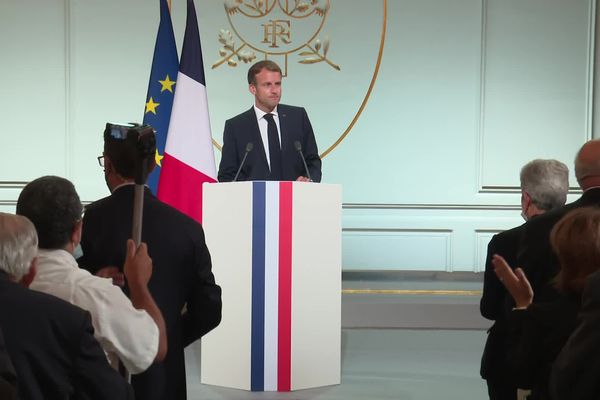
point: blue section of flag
(191, 55)
(257, 340)
(165, 63)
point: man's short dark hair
(52, 204)
(259, 66)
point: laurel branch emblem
(274, 28)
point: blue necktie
(274, 148)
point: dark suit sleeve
(311, 152)
(93, 378)
(494, 293)
(575, 370)
(229, 156)
(203, 311)
(8, 377)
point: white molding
(482, 77)
(69, 146)
(482, 238)
(430, 206)
(445, 247)
(589, 113)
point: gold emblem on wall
(275, 29)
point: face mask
(78, 252)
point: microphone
(298, 147)
(249, 148)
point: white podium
(276, 252)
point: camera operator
(182, 282)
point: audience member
(182, 283)
(50, 342)
(535, 253)
(575, 371)
(544, 186)
(132, 330)
(540, 330)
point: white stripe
(189, 139)
(271, 284)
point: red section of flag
(284, 351)
(176, 175)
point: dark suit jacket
(536, 256)
(52, 347)
(575, 370)
(243, 129)
(181, 278)
(537, 336)
(496, 304)
(8, 376)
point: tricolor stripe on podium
(271, 286)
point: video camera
(142, 138)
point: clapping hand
(514, 281)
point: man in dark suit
(50, 342)
(272, 136)
(536, 257)
(544, 186)
(182, 282)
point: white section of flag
(271, 284)
(190, 139)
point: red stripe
(284, 346)
(181, 186)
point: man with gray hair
(130, 330)
(50, 342)
(536, 257)
(544, 187)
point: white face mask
(78, 252)
(522, 215)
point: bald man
(536, 256)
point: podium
(276, 252)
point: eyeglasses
(101, 161)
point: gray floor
(401, 346)
(404, 364)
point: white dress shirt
(121, 329)
(263, 126)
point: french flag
(189, 159)
(271, 286)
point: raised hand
(514, 281)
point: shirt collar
(260, 113)
(63, 257)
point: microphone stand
(249, 148)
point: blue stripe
(191, 54)
(257, 352)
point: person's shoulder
(509, 234)
(244, 115)
(51, 306)
(97, 205)
(173, 215)
(286, 108)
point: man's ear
(107, 165)
(525, 200)
(252, 89)
(30, 275)
(76, 233)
